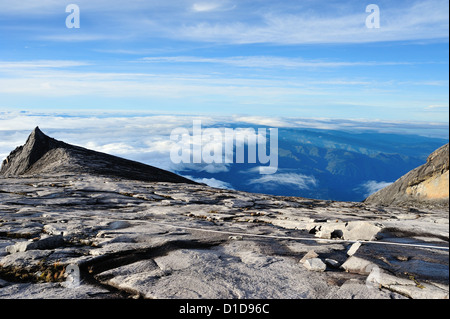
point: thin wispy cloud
(211, 6)
(38, 64)
(91, 37)
(268, 62)
(408, 21)
(242, 22)
(437, 106)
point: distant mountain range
(327, 164)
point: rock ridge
(42, 154)
(426, 185)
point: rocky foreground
(75, 223)
(163, 240)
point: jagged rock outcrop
(45, 155)
(427, 185)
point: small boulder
(50, 242)
(353, 248)
(358, 266)
(18, 247)
(352, 230)
(315, 264)
(361, 230)
(309, 255)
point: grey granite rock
(189, 249)
(353, 248)
(315, 264)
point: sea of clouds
(146, 137)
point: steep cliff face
(44, 155)
(423, 186)
(24, 157)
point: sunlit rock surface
(424, 186)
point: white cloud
(201, 167)
(172, 86)
(299, 181)
(81, 37)
(437, 106)
(212, 6)
(246, 22)
(405, 21)
(37, 64)
(266, 62)
(371, 187)
(263, 121)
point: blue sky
(309, 59)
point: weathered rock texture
(427, 185)
(72, 235)
(44, 155)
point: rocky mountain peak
(38, 134)
(23, 157)
(440, 156)
(427, 185)
(43, 155)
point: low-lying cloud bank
(146, 137)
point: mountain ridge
(427, 184)
(42, 154)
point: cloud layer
(146, 138)
(372, 187)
